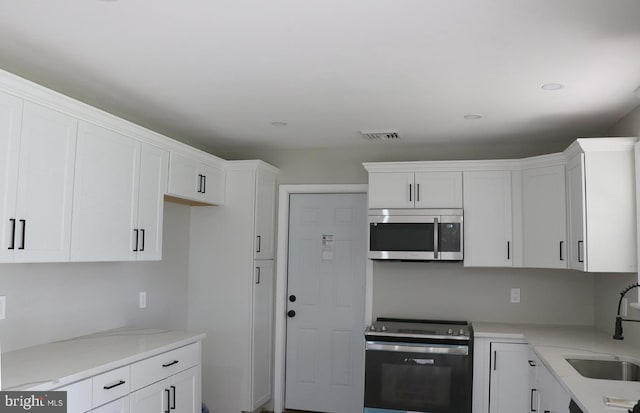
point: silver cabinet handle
(580, 247)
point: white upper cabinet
(391, 190)
(438, 189)
(415, 189)
(265, 214)
(118, 200)
(544, 217)
(154, 167)
(487, 219)
(601, 197)
(36, 189)
(195, 180)
(106, 196)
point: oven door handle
(421, 362)
(428, 349)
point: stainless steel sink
(606, 369)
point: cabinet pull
(417, 192)
(257, 275)
(136, 243)
(120, 383)
(204, 184)
(170, 364)
(142, 232)
(259, 243)
(580, 246)
(173, 403)
(199, 183)
(508, 250)
(495, 360)
(561, 248)
(13, 233)
(24, 230)
(532, 409)
(168, 398)
(410, 190)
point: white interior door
(325, 342)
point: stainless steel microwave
(416, 234)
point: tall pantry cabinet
(231, 288)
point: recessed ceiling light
(278, 123)
(552, 86)
(473, 116)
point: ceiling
(217, 73)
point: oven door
(403, 237)
(416, 377)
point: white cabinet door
(45, 185)
(262, 326)
(184, 180)
(265, 213)
(106, 195)
(117, 406)
(196, 181)
(577, 215)
(553, 397)
(438, 190)
(183, 392)
(10, 121)
(154, 167)
(509, 389)
(213, 183)
(151, 399)
(391, 190)
(79, 398)
(544, 217)
(487, 219)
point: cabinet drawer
(78, 396)
(163, 365)
(117, 406)
(110, 385)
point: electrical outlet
(142, 299)
(3, 307)
(515, 295)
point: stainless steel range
(418, 366)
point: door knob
(291, 313)
(292, 298)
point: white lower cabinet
(509, 389)
(508, 377)
(175, 394)
(117, 406)
(165, 383)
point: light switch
(515, 295)
(3, 307)
(142, 299)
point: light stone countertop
(56, 364)
(553, 343)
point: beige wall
(47, 302)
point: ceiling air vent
(380, 135)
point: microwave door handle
(436, 238)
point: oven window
(416, 386)
(401, 237)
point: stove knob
(383, 328)
(372, 328)
(450, 332)
(461, 332)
